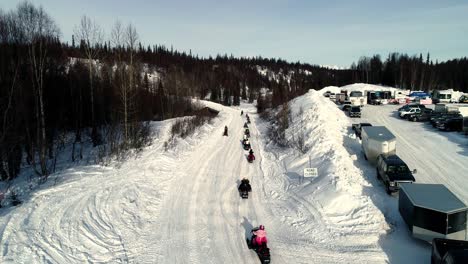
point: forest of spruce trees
(104, 90)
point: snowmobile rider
(245, 186)
(225, 131)
(246, 144)
(251, 155)
(245, 125)
(242, 112)
(259, 238)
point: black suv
(354, 111)
(439, 118)
(393, 171)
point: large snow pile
(345, 219)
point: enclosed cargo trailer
(432, 211)
(377, 140)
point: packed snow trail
(183, 206)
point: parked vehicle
(354, 111)
(408, 112)
(432, 211)
(393, 171)
(464, 114)
(411, 105)
(454, 123)
(377, 140)
(346, 107)
(422, 116)
(340, 98)
(418, 94)
(357, 98)
(378, 97)
(358, 128)
(463, 99)
(440, 107)
(437, 119)
(445, 251)
(442, 96)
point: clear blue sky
(331, 32)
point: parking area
(439, 157)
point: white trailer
(377, 140)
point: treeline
(106, 89)
(412, 72)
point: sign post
(310, 172)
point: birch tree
(91, 36)
(39, 31)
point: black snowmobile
(246, 145)
(244, 189)
(263, 252)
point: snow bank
(335, 209)
(325, 128)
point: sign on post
(310, 172)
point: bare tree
(91, 35)
(39, 31)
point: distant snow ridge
(344, 214)
(333, 67)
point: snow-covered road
(182, 205)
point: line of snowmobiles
(257, 234)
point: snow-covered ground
(439, 157)
(182, 205)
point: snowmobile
(263, 252)
(247, 145)
(245, 125)
(244, 188)
(250, 158)
(247, 132)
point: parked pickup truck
(358, 128)
(451, 251)
(393, 171)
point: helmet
(261, 227)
